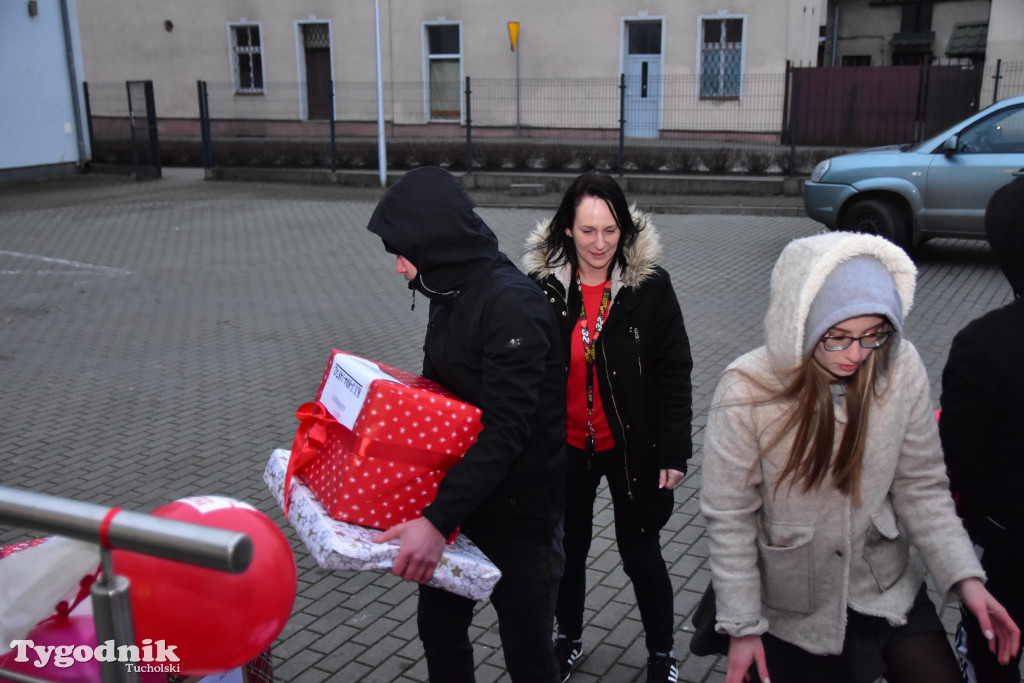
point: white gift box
(463, 569)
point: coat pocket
(787, 572)
(886, 550)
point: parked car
(911, 193)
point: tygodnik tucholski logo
(137, 659)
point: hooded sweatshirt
(490, 340)
(982, 406)
(791, 562)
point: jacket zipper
(636, 338)
(622, 427)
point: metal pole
(622, 123)
(112, 615)
(517, 90)
(997, 78)
(154, 137)
(469, 129)
(382, 157)
(167, 538)
(204, 123)
(334, 151)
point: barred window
(246, 58)
(721, 57)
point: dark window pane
(712, 31)
(443, 40)
(257, 71)
(645, 38)
(734, 30)
(254, 36)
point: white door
(643, 79)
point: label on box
(347, 385)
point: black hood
(428, 218)
(1004, 225)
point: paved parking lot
(156, 338)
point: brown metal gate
(866, 106)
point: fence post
(204, 123)
(88, 120)
(622, 124)
(469, 129)
(997, 78)
(334, 152)
(794, 117)
(154, 137)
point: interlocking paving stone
(156, 338)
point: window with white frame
(721, 57)
(246, 58)
(444, 64)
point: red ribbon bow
(309, 439)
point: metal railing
(219, 549)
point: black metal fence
(623, 125)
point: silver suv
(936, 188)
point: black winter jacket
(643, 357)
(982, 421)
(489, 341)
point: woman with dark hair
(822, 465)
(628, 398)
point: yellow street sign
(513, 33)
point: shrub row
(487, 156)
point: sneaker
(567, 652)
(661, 668)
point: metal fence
(660, 124)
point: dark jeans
(1003, 563)
(639, 548)
(524, 599)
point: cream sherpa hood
(640, 257)
(801, 271)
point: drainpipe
(835, 32)
(69, 54)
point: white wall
(36, 112)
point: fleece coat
(790, 562)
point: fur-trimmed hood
(641, 257)
(801, 271)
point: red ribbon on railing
(310, 437)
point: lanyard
(590, 352)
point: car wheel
(876, 217)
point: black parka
(489, 340)
(982, 420)
(643, 360)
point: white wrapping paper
(463, 569)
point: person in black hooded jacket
(982, 430)
(490, 340)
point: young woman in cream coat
(822, 465)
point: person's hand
(743, 652)
(1002, 634)
(420, 548)
(669, 478)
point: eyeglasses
(867, 341)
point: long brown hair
(811, 420)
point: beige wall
(126, 39)
(1006, 32)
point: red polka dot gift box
(377, 441)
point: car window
(1002, 133)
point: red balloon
(68, 632)
(215, 620)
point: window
(444, 66)
(246, 58)
(721, 57)
(1002, 133)
(856, 60)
